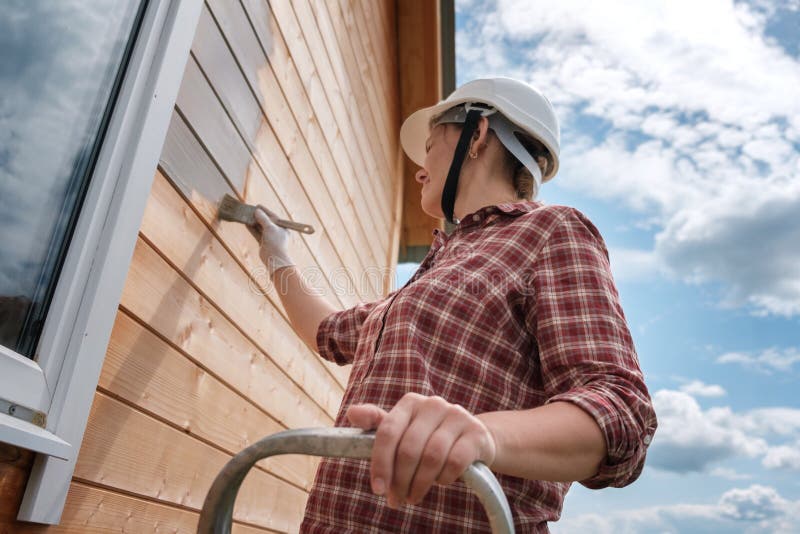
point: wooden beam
(420, 68)
(15, 466)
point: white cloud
(767, 361)
(746, 510)
(697, 388)
(752, 504)
(703, 125)
(783, 457)
(690, 439)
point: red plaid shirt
(514, 309)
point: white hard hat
(521, 108)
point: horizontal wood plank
(342, 102)
(160, 297)
(184, 156)
(291, 60)
(143, 370)
(296, 135)
(271, 178)
(125, 449)
(178, 233)
(341, 55)
(93, 510)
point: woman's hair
(523, 181)
(524, 184)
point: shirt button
(647, 439)
(476, 217)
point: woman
(507, 346)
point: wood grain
(297, 136)
(343, 103)
(143, 370)
(160, 297)
(420, 85)
(185, 154)
(271, 174)
(291, 59)
(125, 449)
(93, 510)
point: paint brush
(230, 209)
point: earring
(473, 155)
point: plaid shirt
(514, 309)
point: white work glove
(273, 241)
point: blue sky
(681, 141)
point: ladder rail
(216, 517)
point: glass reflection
(60, 68)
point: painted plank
(160, 297)
(190, 167)
(127, 450)
(284, 168)
(219, 138)
(93, 510)
(180, 236)
(297, 135)
(231, 87)
(185, 155)
(143, 370)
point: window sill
(29, 436)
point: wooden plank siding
(294, 105)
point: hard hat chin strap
(451, 184)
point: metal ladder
(216, 516)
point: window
(62, 72)
(87, 88)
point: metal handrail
(216, 516)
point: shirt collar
(483, 215)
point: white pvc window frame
(61, 382)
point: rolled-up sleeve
(586, 352)
(338, 333)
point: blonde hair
(524, 184)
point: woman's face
(440, 146)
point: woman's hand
(273, 240)
(421, 441)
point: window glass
(60, 70)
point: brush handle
(300, 227)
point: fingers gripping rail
(217, 513)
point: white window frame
(60, 382)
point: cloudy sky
(681, 141)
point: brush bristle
(230, 209)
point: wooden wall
(295, 106)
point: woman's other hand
(421, 441)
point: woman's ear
(481, 135)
